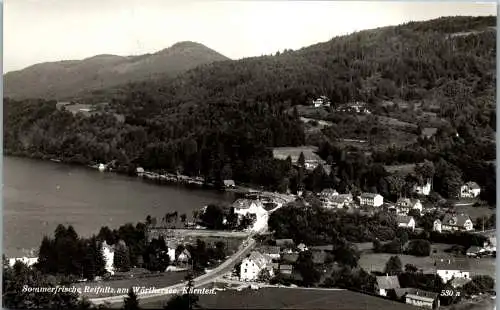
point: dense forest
(220, 120)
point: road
(228, 265)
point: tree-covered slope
(218, 120)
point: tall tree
(393, 266)
(131, 302)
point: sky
(38, 31)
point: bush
(419, 247)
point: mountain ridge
(58, 79)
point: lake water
(38, 195)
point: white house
(108, 252)
(101, 167)
(171, 247)
(385, 283)
(243, 207)
(406, 221)
(139, 171)
(448, 269)
(437, 225)
(422, 299)
(404, 205)
(424, 189)
(328, 193)
(337, 201)
(184, 256)
(322, 101)
(252, 265)
(470, 190)
(371, 200)
(28, 261)
(229, 183)
(452, 222)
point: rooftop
(259, 259)
(270, 249)
(455, 220)
(388, 282)
(404, 219)
(369, 195)
(422, 295)
(473, 185)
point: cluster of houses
(280, 260)
(351, 107)
(403, 208)
(455, 272)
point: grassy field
(400, 169)
(231, 244)
(294, 152)
(292, 298)
(376, 262)
(475, 212)
(389, 121)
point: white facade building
(406, 222)
(371, 200)
(448, 269)
(252, 265)
(243, 207)
(470, 190)
(453, 222)
(28, 261)
(424, 189)
(108, 252)
(404, 205)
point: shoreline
(147, 176)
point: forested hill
(58, 80)
(219, 120)
(448, 62)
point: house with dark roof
(252, 265)
(271, 251)
(475, 251)
(337, 201)
(423, 299)
(449, 268)
(404, 205)
(454, 222)
(386, 283)
(405, 221)
(470, 190)
(371, 200)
